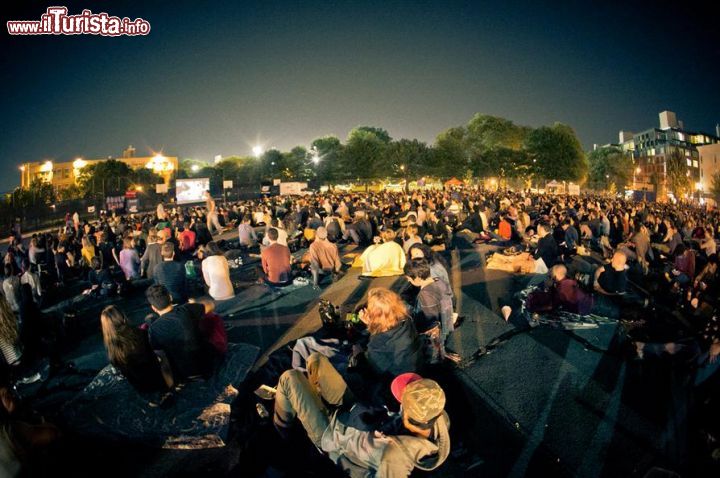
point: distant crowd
(602, 256)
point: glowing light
(160, 164)
(638, 170)
(79, 163)
(257, 151)
(47, 167)
(22, 168)
(698, 186)
(195, 168)
(138, 188)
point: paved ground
(542, 402)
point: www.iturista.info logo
(56, 21)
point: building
(709, 166)
(651, 148)
(64, 174)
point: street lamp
(195, 168)
(257, 150)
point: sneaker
(29, 379)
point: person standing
(211, 211)
(152, 255)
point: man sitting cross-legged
(324, 256)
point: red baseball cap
(397, 387)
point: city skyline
(280, 74)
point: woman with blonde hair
(129, 260)
(88, 250)
(394, 346)
(129, 351)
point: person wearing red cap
(319, 401)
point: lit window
(689, 163)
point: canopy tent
(453, 182)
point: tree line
(487, 146)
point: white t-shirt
(216, 273)
(282, 237)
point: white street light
(195, 168)
(257, 151)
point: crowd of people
(602, 256)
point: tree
(295, 164)
(676, 174)
(485, 132)
(450, 155)
(364, 157)
(271, 164)
(556, 153)
(105, 176)
(329, 153)
(408, 159)
(69, 193)
(715, 187)
(146, 178)
(609, 165)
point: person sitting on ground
(683, 269)
(384, 258)
(565, 294)
(360, 230)
(186, 239)
(246, 233)
(436, 232)
(671, 240)
(21, 434)
(547, 248)
(611, 279)
(335, 227)
(411, 237)
(437, 268)
(708, 245)
(101, 282)
(216, 272)
(282, 235)
(171, 274)
(177, 333)
(275, 260)
(128, 349)
(422, 441)
(324, 256)
(394, 346)
(571, 238)
(433, 311)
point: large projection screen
(191, 190)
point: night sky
(217, 77)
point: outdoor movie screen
(191, 190)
